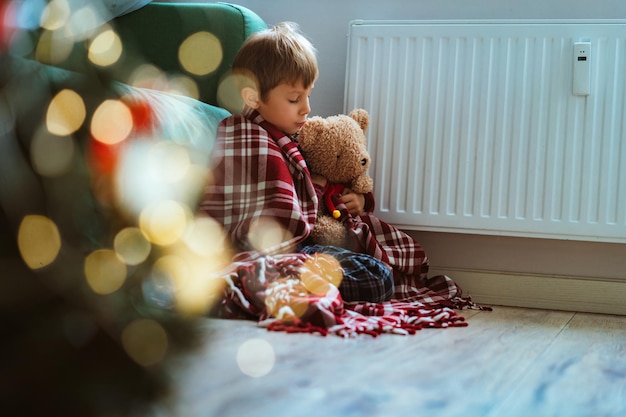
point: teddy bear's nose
(364, 161)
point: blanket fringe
(295, 327)
(354, 324)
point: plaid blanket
(298, 292)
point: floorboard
(495, 363)
(582, 373)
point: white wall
(326, 23)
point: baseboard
(540, 291)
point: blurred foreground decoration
(105, 265)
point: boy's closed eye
(297, 99)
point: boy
(261, 190)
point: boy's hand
(354, 202)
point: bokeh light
(206, 237)
(57, 40)
(321, 273)
(266, 233)
(51, 155)
(38, 240)
(145, 341)
(185, 281)
(284, 300)
(201, 53)
(53, 47)
(55, 15)
(104, 271)
(183, 85)
(131, 246)
(151, 171)
(105, 49)
(158, 290)
(85, 20)
(173, 161)
(256, 357)
(66, 113)
(164, 222)
(170, 272)
(148, 76)
(112, 122)
(228, 93)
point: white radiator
(475, 127)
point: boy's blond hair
(274, 56)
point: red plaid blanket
(298, 293)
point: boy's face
(286, 106)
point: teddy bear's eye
(338, 155)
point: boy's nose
(306, 108)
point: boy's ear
(250, 97)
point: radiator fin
(474, 127)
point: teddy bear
(336, 148)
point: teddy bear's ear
(362, 118)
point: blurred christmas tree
(99, 291)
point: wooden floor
(507, 362)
